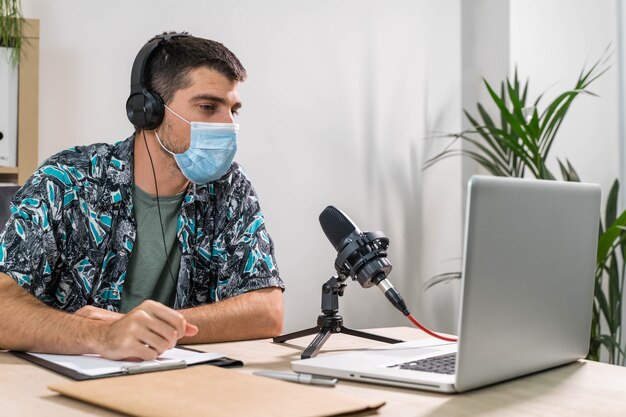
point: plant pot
(8, 109)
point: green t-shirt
(148, 276)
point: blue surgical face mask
(211, 150)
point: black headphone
(145, 108)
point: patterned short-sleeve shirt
(72, 228)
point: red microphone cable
(425, 330)
(398, 302)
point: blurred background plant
(515, 141)
(11, 21)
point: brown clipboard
(209, 391)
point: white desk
(579, 389)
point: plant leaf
(608, 238)
(614, 296)
(493, 142)
(611, 204)
(603, 303)
(511, 120)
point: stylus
(299, 378)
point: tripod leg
(316, 344)
(299, 333)
(365, 335)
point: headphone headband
(144, 107)
(138, 74)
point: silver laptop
(527, 292)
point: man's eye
(207, 107)
(235, 112)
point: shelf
(9, 170)
(28, 110)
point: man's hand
(145, 332)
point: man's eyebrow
(217, 99)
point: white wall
(339, 98)
(551, 41)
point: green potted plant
(11, 21)
(516, 141)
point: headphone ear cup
(154, 110)
(145, 109)
(135, 109)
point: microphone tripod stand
(330, 321)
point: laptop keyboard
(443, 364)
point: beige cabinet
(28, 108)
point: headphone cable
(156, 188)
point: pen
(150, 366)
(299, 378)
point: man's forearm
(27, 324)
(253, 315)
(145, 332)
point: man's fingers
(147, 331)
(156, 333)
(143, 352)
(153, 340)
(166, 314)
(191, 330)
(130, 338)
(163, 330)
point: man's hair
(169, 65)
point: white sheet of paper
(95, 365)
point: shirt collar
(121, 179)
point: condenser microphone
(360, 255)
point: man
(125, 250)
